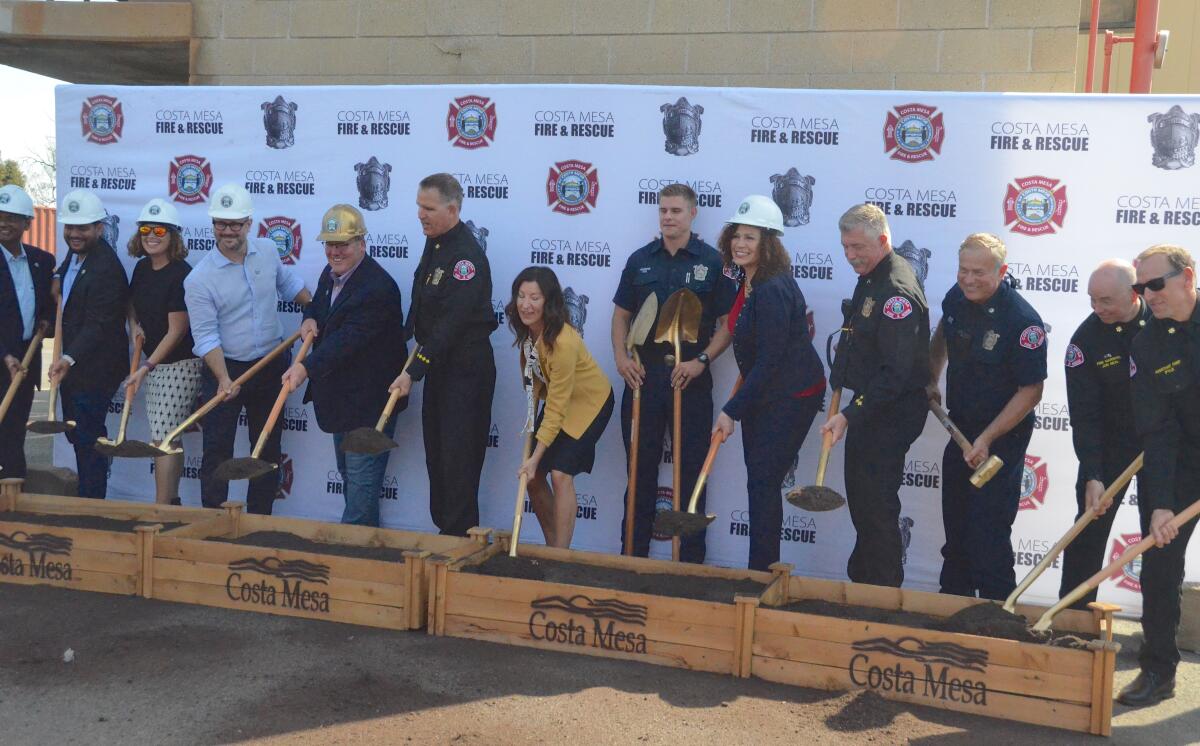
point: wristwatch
(703, 358)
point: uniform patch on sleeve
(464, 270)
(897, 307)
(1033, 337)
(1074, 356)
(1132, 367)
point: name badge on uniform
(990, 339)
(700, 272)
(867, 307)
(437, 275)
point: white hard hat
(14, 199)
(759, 211)
(81, 207)
(162, 212)
(230, 202)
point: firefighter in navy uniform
(1165, 366)
(1101, 401)
(996, 346)
(677, 260)
(883, 356)
(451, 318)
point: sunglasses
(158, 230)
(1157, 284)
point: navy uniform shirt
(698, 267)
(992, 349)
(1100, 394)
(1166, 406)
(883, 353)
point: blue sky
(24, 132)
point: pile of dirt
(699, 588)
(69, 520)
(284, 540)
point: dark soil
(698, 588)
(284, 540)
(863, 613)
(67, 520)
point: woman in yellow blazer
(557, 368)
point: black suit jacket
(41, 268)
(94, 321)
(359, 351)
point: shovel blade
(49, 427)
(133, 449)
(816, 498)
(243, 468)
(367, 440)
(106, 446)
(681, 523)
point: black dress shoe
(1147, 689)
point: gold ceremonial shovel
(1088, 516)
(522, 485)
(639, 329)
(988, 468)
(52, 424)
(115, 447)
(252, 466)
(678, 322)
(371, 440)
(15, 384)
(817, 498)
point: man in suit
(95, 293)
(356, 316)
(26, 307)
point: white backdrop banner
(567, 176)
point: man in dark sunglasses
(1166, 398)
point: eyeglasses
(158, 230)
(1157, 284)
(228, 225)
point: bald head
(1111, 290)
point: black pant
(977, 557)
(771, 437)
(88, 408)
(874, 466)
(12, 427)
(1162, 582)
(657, 412)
(220, 429)
(1084, 556)
(456, 415)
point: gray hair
(868, 217)
(989, 242)
(445, 185)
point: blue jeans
(88, 408)
(362, 480)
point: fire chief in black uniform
(996, 346)
(1100, 396)
(1166, 407)
(451, 318)
(883, 356)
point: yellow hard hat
(342, 223)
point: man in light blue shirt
(232, 295)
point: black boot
(1147, 689)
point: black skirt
(570, 455)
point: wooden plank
(1001, 652)
(660, 653)
(388, 617)
(345, 589)
(437, 608)
(84, 580)
(684, 633)
(1013, 680)
(116, 509)
(219, 552)
(744, 636)
(683, 610)
(998, 704)
(81, 538)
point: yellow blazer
(577, 386)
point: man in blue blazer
(95, 346)
(359, 349)
(26, 306)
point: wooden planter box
(1054, 686)
(679, 632)
(107, 560)
(191, 566)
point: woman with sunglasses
(157, 314)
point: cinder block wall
(964, 45)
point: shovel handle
(951, 428)
(126, 405)
(714, 445)
(519, 508)
(280, 400)
(1129, 555)
(56, 354)
(15, 384)
(835, 402)
(631, 491)
(1088, 516)
(394, 398)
